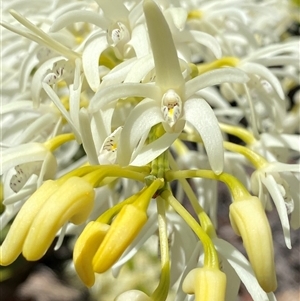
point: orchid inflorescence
(107, 103)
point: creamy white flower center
(118, 33)
(108, 151)
(171, 107)
(61, 70)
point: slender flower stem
(237, 189)
(57, 141)
(97, 176)
(204, 219)
(223, 62)
(257, 160)
(210, 253)
(161, 292)
(239, 132)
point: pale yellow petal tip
(85, 248)
(133, 295)
(6, 258)
(72, 201)
(206, 284)
(122, 232)
(249, 220)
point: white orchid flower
(285, 197)
(170, 101)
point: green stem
(210, 253)
(57, 141)
(205, 221)
(237, 189)
(161, 292)
(256, 160)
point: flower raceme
(124, 80)
(43, 214)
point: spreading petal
(202, 117)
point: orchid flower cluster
(117, 114)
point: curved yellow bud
(73, 201)
(13, 243)
(249, 220)
(208, 284)
(85, 248)
(122, 232)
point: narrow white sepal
(140, 120)
(279, 202)
(199, 114)
(215, 77)
(90, 59)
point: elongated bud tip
(206, 283)
(122, 232)
(249, 220)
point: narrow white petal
(28, 65)
(295, 193)
(278, 200)
(282, 140)
(151, 151)
(75, 16)
(204, 39)
(87, 137)
(118, 73)
(113, 93)
(141, 119)
(139, 41)
(140, 69)
(90, 59)
(53, 96)
(215, 77)
(265, 73)
(242, 267)
(168, 72)
(45, 121)
(201, 116)
(213, 97)
(115, 11)
(281, 167)
(21, 154)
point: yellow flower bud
(249, 220)
(208, 284)
(73, 201)
(85, 248)
(13, 243)
(122, 232)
